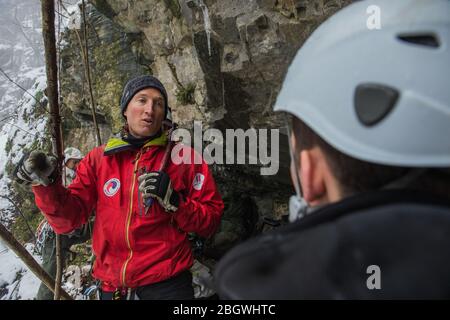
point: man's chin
(146, 133)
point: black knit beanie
(134, 85)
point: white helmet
(381, 96)
(72, 153)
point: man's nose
(148, 108)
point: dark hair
(355, 175)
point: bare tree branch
(48, 32)
(18, 85)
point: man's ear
(312, 175)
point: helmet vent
(373, 102)
(427, 40)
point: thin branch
(88, 73)
(34, 135)
(61, 15)
(18, 85)
(11, 116)
(59, 52)
(64, 7)
(22, 215)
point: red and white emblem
(197, 184)
(111, 187)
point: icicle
(207, 22)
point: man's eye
(142, 100)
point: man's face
(145, 113)
(72, 163)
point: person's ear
(312, 175)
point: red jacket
(131, 249)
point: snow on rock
(74, 21)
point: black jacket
(326, 255)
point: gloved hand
(37, 169)
(157, 184)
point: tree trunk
(48, 31)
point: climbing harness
(43, 232)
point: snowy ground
(16, 281)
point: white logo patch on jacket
(111, 187)
(197, 184)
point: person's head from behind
(144, 106)
(371, 108)
(72, 157)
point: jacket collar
(117, 144)
(325, 255)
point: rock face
(112, 62)
(222, 62)
(234, 53)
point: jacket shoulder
(94, 157)
(97, 152)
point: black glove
(36, 169)
(157, 184)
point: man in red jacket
(143, 215)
